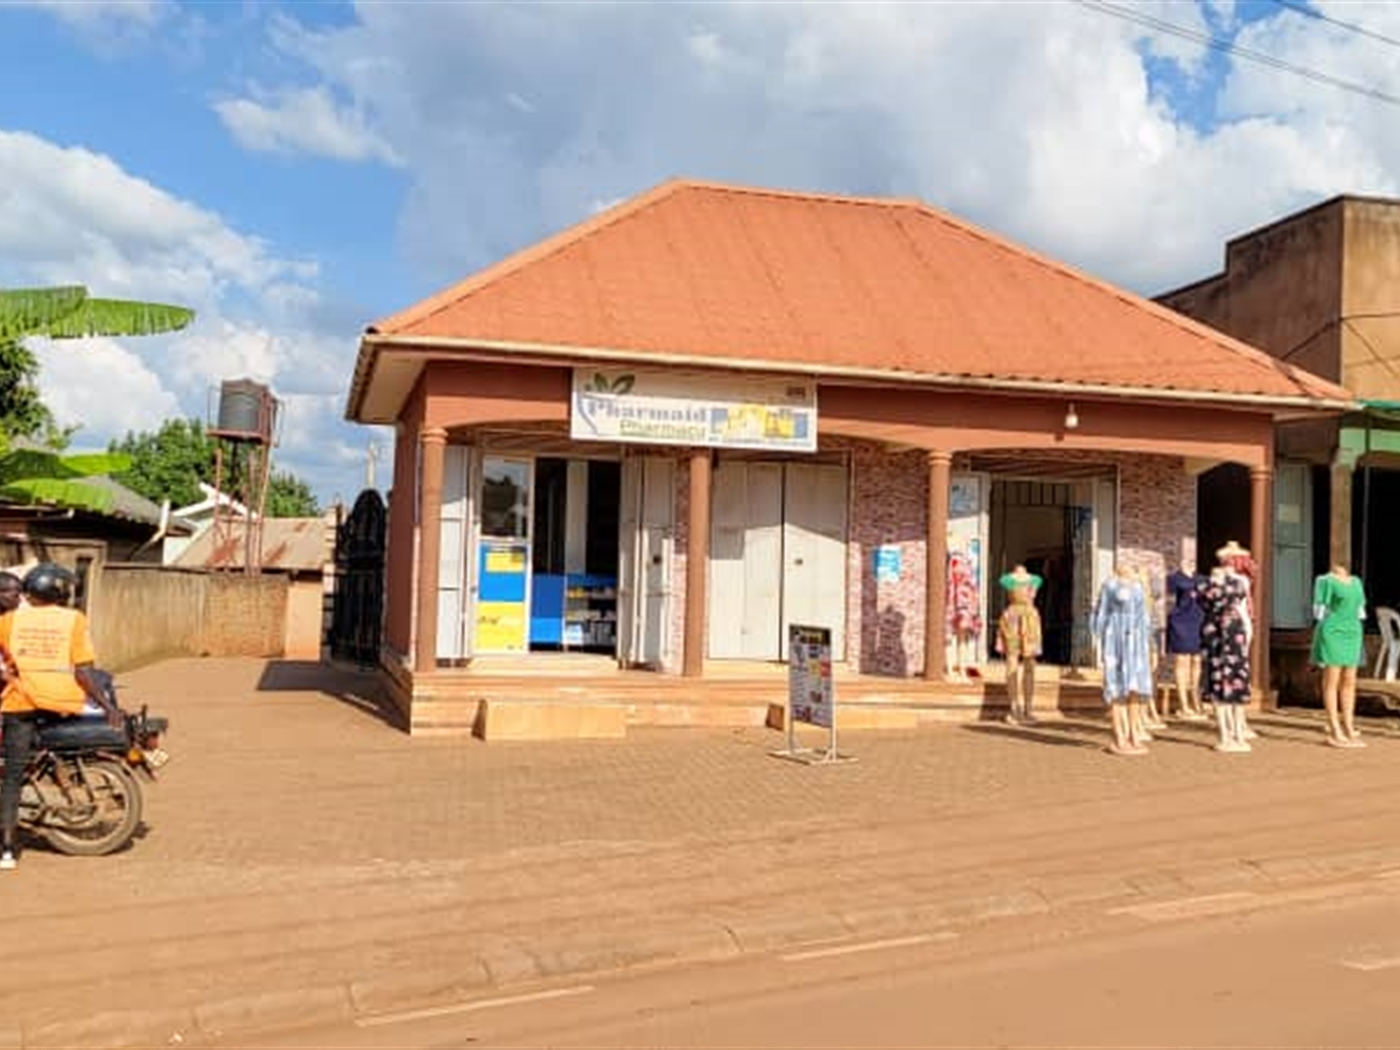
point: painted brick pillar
(1339, 513)
(940, 466)
(1261, 513)
(434, 442)
(697, 564)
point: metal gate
(357, 609)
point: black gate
(357, 611)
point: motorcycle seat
(81, 734)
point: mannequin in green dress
(1339, 609)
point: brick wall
(141, 613)
(1156, 530)
(889, 507)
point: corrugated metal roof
(288, 544)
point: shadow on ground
(1054, 734)
(360, 689)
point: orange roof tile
(805, 281)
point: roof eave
(452, 347)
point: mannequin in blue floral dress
(1124, 631)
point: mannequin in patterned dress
(964, 611)
(1019, 640)
(1123, 627)
(1226, 635)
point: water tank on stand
(243, 408)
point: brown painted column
(1261, 511)
(433, 441)
(1339, 513)
(697, 564)
(940, 467)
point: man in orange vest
(48, 654)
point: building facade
(1317, 289)
(666, 435)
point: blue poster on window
(888, 564)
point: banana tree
(30, 475)
(38, 476)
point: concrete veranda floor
(302, 858)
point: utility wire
(1230, 47)
(1304, 9)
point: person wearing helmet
(48, 663)
(11, 592)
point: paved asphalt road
(1305, 968)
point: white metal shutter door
(657, 541)
(453, 554)
(814, 551)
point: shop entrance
(561, 553)
(777, 556)
(1064, 531)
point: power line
(1304, 9)
(1230, 47)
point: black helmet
(49, 583)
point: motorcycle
(82, 792)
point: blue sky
(294, 171)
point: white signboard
(810, 697)
(671, 408)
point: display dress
(1018, 630)
(1186, 616)
(1124, 630)
(1225, 640)
(964, 601)
(1340, 607)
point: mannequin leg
(1193, 687)
(1028, 688)
(1137, 721)
(1181, 669)
(1347, 697)
(1242, 726)
(1013, 684)
(1151, 714)
(1331, 688)
(1226, 725)
(1123, 743)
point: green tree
(169, 463)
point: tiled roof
(726, 274)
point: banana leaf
(32, 464)
(62, 492)
(117, 317)
(68, 313)
(28, 311)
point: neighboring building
(300, 548)
(1319, 289)
(200, 516)
(808, 397)
(104, 522)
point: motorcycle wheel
(117, 795)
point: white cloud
(96, 13)
(1037, 120)
(102, 385)
(70, 215)
(305, 121)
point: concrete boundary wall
(142, 613)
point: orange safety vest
(42, 640)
